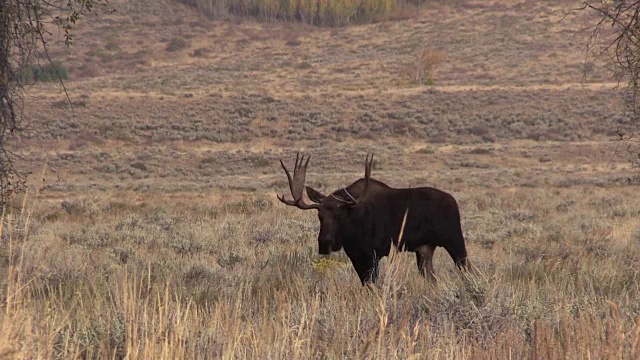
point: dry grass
(157, 234)
(241, 279)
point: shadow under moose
(366, 217)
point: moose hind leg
(424, 259)
(458, 253)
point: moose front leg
(366, 265)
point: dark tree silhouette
(614, 33)
(24, 26)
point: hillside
(160, 84)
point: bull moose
(366, 217)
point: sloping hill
(489, 43)
(160, 73)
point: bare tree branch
(23, 27)
(615, 32)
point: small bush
(481, 151)
(424, 66)
(200, 52)
(426, 150)
(478, 130)
(304, 65)
(291, 39)
(259, 161)
(49, 72)
(176, 44)
(140, 166)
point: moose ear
(314, 195)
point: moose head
(333, 210)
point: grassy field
(238, 276)
(151, 228)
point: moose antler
(296, 184)
(368, 164)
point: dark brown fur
(366, 217)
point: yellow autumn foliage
(315, 12)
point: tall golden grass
(241, 279)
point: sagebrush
(242, 279)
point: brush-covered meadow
(238, 276)
(151, 227)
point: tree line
(313, 12)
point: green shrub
(426, 150)
(50, 72)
